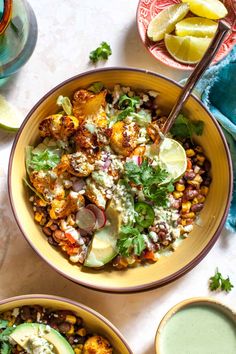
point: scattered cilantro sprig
(128, 104)
(185, 128)
(151, 179)
(217, 282)
(130, 241)
(100, 53)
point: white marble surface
(68, 31)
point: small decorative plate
(147, 9)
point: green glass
(18, 40)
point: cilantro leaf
(5, 348)
(151, 179)
(125, 113)
(42, 157)
(185, 128)
(126, 101)
(217, 282)
(100, 53)
(3, 323)
(130, 241)
(96, 87)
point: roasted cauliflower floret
(58, 126)
(47, 184)
(124, 138)
(95, 194)
(87, 103)
(78, 164)
(62, 208)
(138, 151)
(97, 345)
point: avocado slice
(103, 247)
(32, 336)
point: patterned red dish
(147, 9)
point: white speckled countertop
(68, 31)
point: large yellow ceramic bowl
(93, 321)
(191, 251)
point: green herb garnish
(130, 241)
(100, 53)
(65, 103)
(3, 324)
(128, 105)
(42, 157)
(5, 347)
(153, 180)
(96, 87)
(217, 282)
(186, 128)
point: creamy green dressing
(199, 329)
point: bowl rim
(204, 300)
(180, 272)
(71, 302)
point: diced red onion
(78, 185)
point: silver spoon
(222, 30)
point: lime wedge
(196, 26)
(188, 49)
(213, 9)
(173, 157)
(10, 118)
(165, 21)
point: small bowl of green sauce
(197, 326)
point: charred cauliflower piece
(58, 126)
(46, 183)
(87, 103)
(94, 194)
(62, 208)
(97, 345)
(78, 164)
(124, 138)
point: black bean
(64, 327)
(197, 207)
(25, 313)
(189, 175)
(189, 194)
(52, 242)
(47, 231)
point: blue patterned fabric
(217, 90)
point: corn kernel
(38, 216)
(201, 198)
(177, 195)
(204, 190)
(198, 148)
(195, 201)
(71, 319)
(190, 152)
(71, 331)
(186, 207)
(42, 203)
(82, 332)
(183, 222)
(200, 158)
(180, 187)
(190, 215)
(77, 351)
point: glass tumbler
(18, 35)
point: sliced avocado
(103, 247)
(32, 336)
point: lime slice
(165, 21)
(173, 157)
(188, 50)
(213, 9)
(196, 26)
(10, 118)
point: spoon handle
(222, 30)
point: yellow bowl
(202, 302)
(95, 322)
(212, 218)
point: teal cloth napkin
(217, 90)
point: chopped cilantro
(185, 128)
(3, 323)
(100, 53)
(128, 104)
(151, 179)
(130, 241)
(96, 87)
(42, 157)
(217, 282)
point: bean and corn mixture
(67, 323)
(94, 155)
